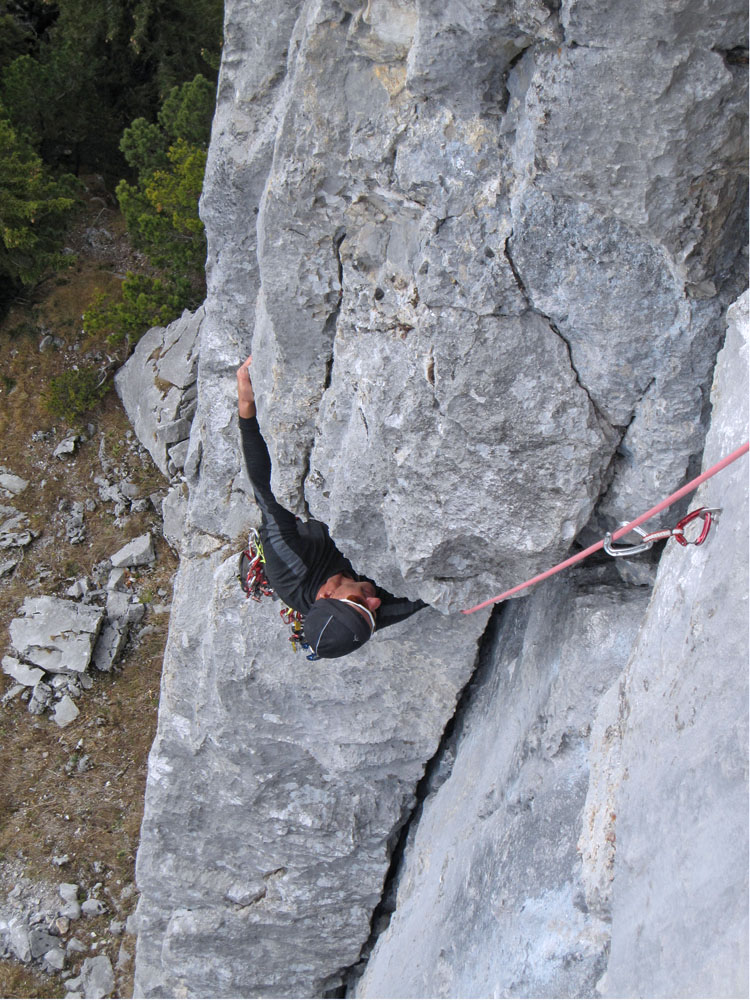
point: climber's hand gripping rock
(245, 392)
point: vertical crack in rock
(620, 430)
(504, 99)
(436, 772)
(329, 336)
(555, 329)
(329, 329)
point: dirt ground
(50, 807)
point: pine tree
(80, 71)
(34, 211)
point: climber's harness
(255, 584)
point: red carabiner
(679, 532)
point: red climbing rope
(692, 485)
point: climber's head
(342, 618)
(335, 627)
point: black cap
(335, 628)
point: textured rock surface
(276, 786)
(492, 901)
(602, 826)
(482, 255)
(481, 287)
(490, 277)
(157, 389)
(679, 899)
(56, 635)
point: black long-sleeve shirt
(300, 555)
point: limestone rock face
(482, 255)
(421, 226)
(157, 388)
(276, 787)
(493, 868)
(681, 869)
(595, 843)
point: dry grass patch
(75, 792)
(18, 981)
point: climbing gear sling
(255, 584)
(710, 516)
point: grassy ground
(48, 808)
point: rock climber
(340, 609)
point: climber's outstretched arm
(284, 548)
(257, 459)
(245, 392)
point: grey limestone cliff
(591, 839)
(482, 254)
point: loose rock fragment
(13, 693)
(13, 484)
(18, 939)
(139, 552)
(55, 634)
(71, 910)
(22, 672)
(8, 565)
(80, 588)
(14, 530)
(54, 959)
(40, 698)
(97, 977)
(65, 712)
(68, 892)
(66, 447)
(40, 941)
(109, 645)
(93, 908)
(117, 579)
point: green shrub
(144, 302)
(74, 393)
(161, 213)
(35, 210)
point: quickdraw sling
(256, 586)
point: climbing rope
(256, 585)
(678, 532)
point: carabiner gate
(626, 550)
(709, 515)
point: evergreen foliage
(144, 302)
(34, 212)
(75, 393)
(77, 72)
(161, 212)
(124, 88)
